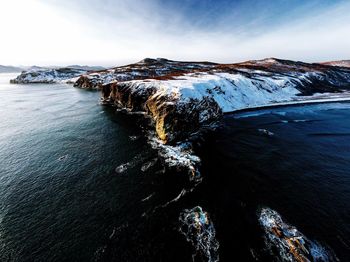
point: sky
(115, 32)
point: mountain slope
(341, 63)
(9, 69)
(181, 97)
(146, 68)
(47, 75)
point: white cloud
(115, 32)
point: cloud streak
(116, 32)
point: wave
(61, 158)
(135, 161)
(133, 138)
(148, 197)
(148, 165)
(298, 121)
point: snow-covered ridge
(51, 75)
(144, 69)
(181, 102)
(341, 63)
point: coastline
(313, 100)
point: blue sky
(111, 32)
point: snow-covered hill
(51, 74)
(146, 68)
(181, 98)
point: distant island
(9, 69)
(47, 75)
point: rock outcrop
(199, 230)
(287, 243)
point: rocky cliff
(182, 97)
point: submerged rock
(290, 243)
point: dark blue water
(61, 198)
(302, 172)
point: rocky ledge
(182, 97)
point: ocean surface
(80, 182)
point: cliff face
(183, 99)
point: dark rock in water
(291, 244)
(197, 227)
(61, 158)
(122, 168)
(266, 132)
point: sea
(80, 181)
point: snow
(230, 91)
(49, 75)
